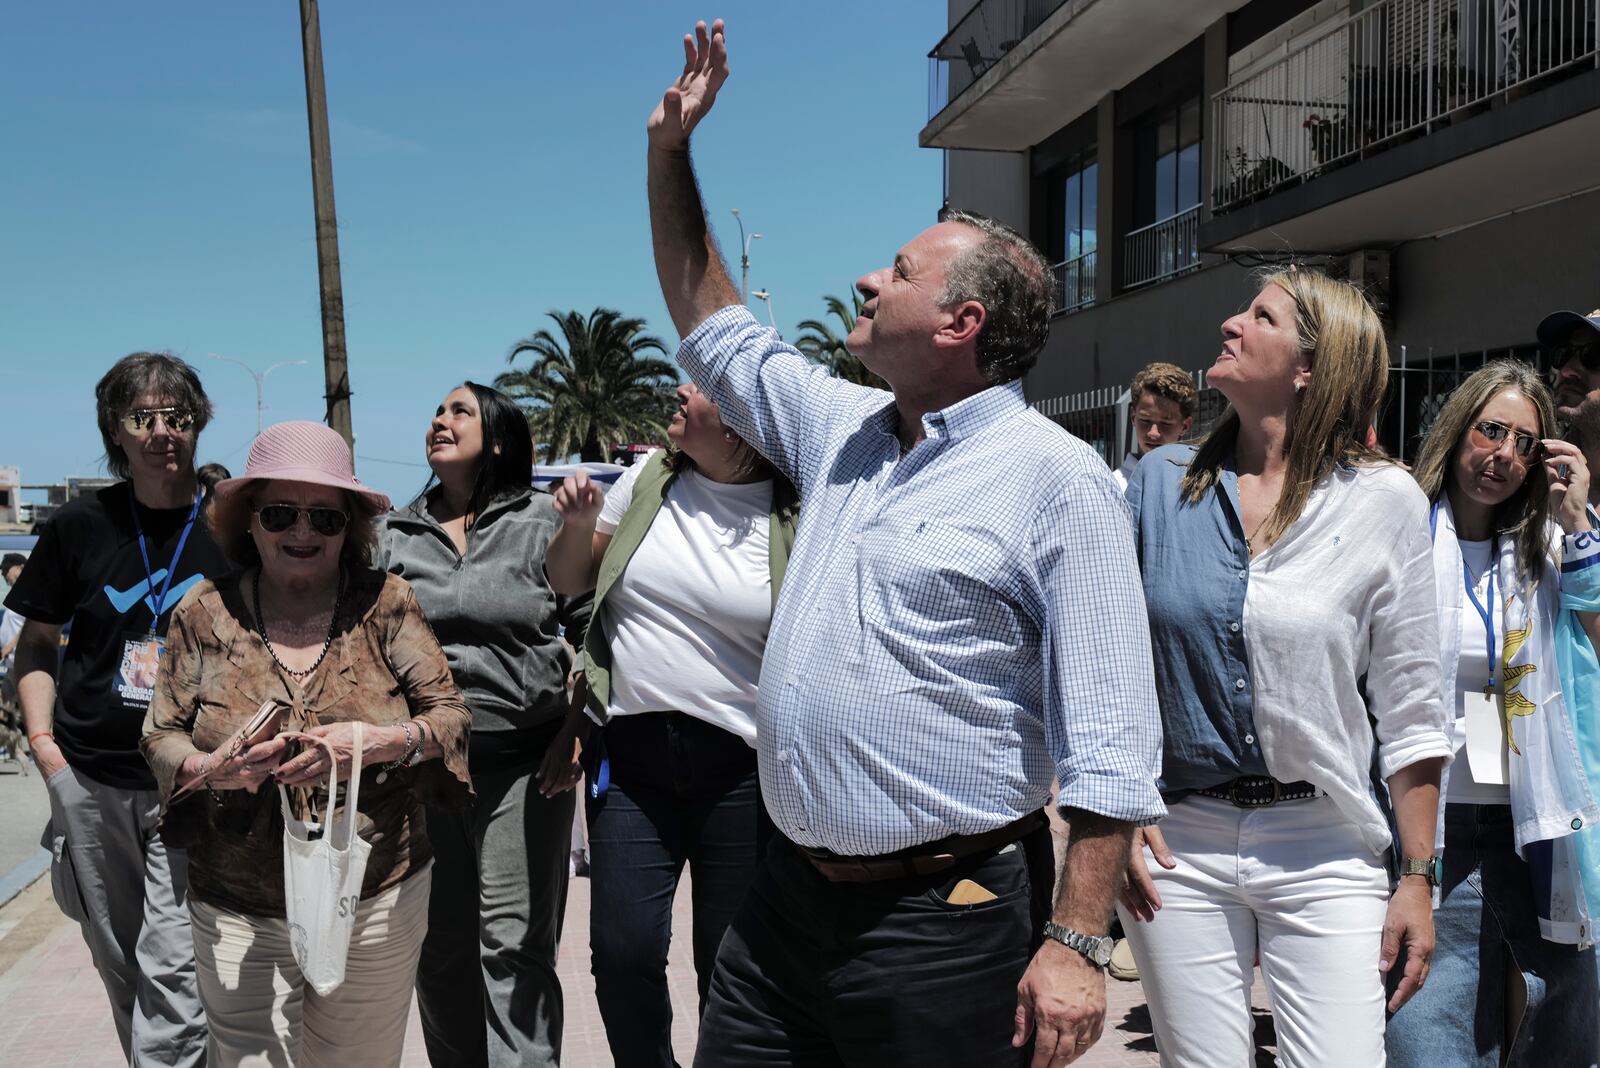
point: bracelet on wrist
(36, 735)
(403, 758)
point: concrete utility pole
(335, 364)
(261, 380)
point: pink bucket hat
(302, 452)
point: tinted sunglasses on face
(143, 420)
(277, 518)
(1587, 353)
(1488, 434)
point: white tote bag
(322, 878)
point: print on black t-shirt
(87, 569)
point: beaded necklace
(327, 643)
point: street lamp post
(766, 298)
(744, 259)
(261, 380)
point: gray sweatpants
(487, 989)
(112, 873)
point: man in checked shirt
(946, 641)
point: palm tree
(593, 386)
(821, 345)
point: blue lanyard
(1486, 613)
(160, 599)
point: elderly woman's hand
(379, 745)
(246, 770)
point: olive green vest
(649, 491)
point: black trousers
(815, 973)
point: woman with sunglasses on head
(1286, 572)
(1513, 978)
(686, 555)
(473, 546)
(308, 631)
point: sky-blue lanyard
(1486, 613)
(159, 601)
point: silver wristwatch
(1096, 949)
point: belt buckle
(1254, 782)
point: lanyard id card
(1487, 753)
(135, 680)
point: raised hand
(687, 100)
(1568, 475)
(578, 501)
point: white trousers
(263, 1015)
(1294, 881)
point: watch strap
(1096, 949)
(1429, 868)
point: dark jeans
(487, 990)
(1487, 928)
(815, 973)
(682, 791)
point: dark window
(1074, 202)
(1167, 162)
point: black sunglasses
(277, 518)
(1491, 434)
(1587, 353)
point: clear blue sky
(488, 164)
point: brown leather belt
(926, 859)
(1258, 791)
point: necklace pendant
(382, 777)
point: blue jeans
(682, 791)
(1487, 925)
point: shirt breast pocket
(941, 581)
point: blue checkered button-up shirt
(955, 626)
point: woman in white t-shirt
(1513, 980)
(685, 555)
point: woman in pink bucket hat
(306, 636)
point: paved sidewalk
(55, 1011)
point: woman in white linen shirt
(1284, 562)
(685, 557)
(1514, 972)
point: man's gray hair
(1008, 276)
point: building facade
(1445, 154)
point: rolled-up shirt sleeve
(769, 393)
(1102, 718)
(1403, 683)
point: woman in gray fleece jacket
(472, 545)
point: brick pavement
(54, 1010)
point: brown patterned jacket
(383, 666)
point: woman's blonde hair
(1521, 515)
(1342, 340)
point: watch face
(1102, 952)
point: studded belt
(1258, 791)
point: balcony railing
(1390, 71)
(1161, 250)
(976, 43)
(1074, 281)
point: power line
(397, 463)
